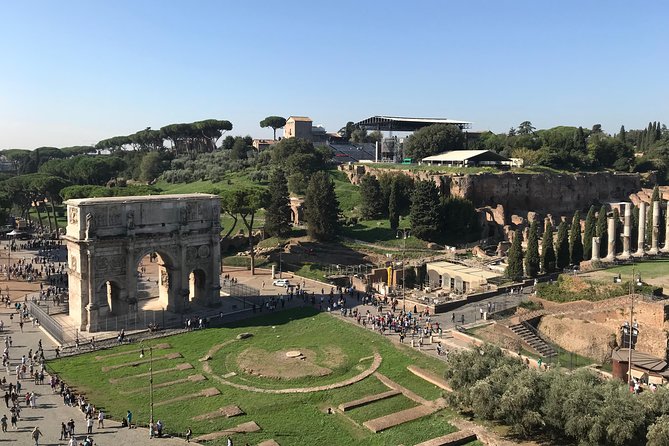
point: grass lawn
(378, 231)
(650, 269)
(348, 194)
(291, 419)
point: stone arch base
(107, 238)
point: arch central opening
(153, 282)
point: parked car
(281, 282)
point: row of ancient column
(640, 252)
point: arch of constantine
(108, 237)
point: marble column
(642, 230)
(627, 232)
(654, 244)
(611, 248)
(595, 249)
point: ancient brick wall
(544, 193)
(585, 327)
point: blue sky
(74, 72)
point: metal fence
(238, 289)
(47, 322)
(138, 320)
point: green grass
(291, 419)
(348, 194)
(650, 269)
(312, 271)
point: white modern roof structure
(467, 157)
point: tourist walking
(36, 434)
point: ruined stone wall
(546, 192)
(587, 326)
(539, 192)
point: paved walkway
(51, 411)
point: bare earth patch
(258, 362)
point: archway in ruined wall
(153, 279)
(108, 238)
(196, 284)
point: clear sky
(73, 72)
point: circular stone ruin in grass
(290, 364)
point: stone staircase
(531, 338)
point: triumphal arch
(108, 237)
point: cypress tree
(424, 213)
(575, 242)
(532, 259)
(321, 207)
(622, 135)
(277, 217)
(589, 233)
(602, 227)
(370, 198)
(548, 250)
(393, 206)
(562, 246)
(514, 269)
(634, 230)
(617, 230)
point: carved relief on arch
(109, 263)
(73, 215)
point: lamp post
(280, 259)
(141, 355)
(632, 325)
(405, 233)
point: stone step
(397, 418)
(367, 400)
(453, 439)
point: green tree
(617, 229)
(394, 205)
(371, 206)
(151, 166)
(589, 233)
(424, 213)
(532, 259)
(602, 230)
(459, 219)
(276, 122)
(277, 216)
(298, 157)
(239, 149)
(575, 242)
(658, 433)
(562, 246)
(433, 139)
(321, 207)
(246, 203)
(525, 128)
(514, 269)
(548, 250)
(634, 229)
(405, 185)
(622, 135)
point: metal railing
(47, 322)
(238, 289)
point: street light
(405, 233)
(280, 259)
(633, 327)
(141, 355)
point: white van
(281, 282)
